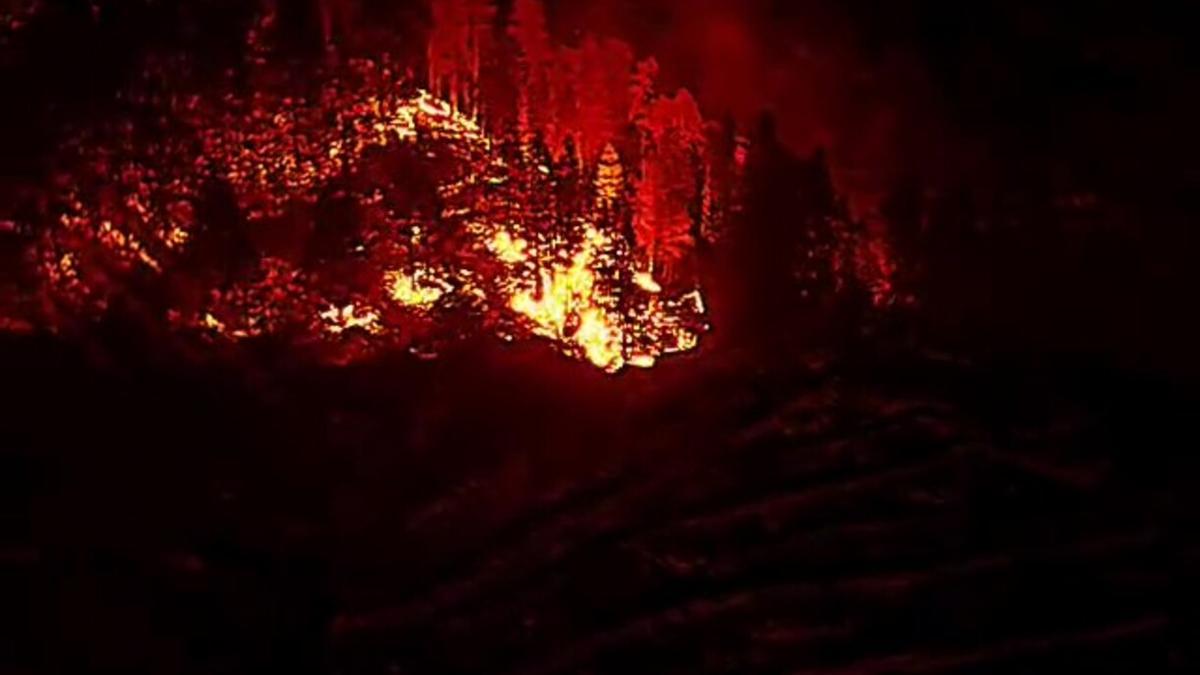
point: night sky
(1093, 95)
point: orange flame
(576, 286)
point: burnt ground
(513, 512)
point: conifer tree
(570, 192)
(610, 181)
(527, 29)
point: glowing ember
(646, 282)
(643, 361)
(564, 307)
(506, 248)
(378, 210)
(350, 317)
(420, 290)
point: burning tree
(458, 45)
(604, 112)
(610, 181)
(355, 207)
(667, 188)
(534, 59)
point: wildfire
(350, 317)
(420, 290)
(521, 233)
(646, 282)
(349, 207)
(508, 249)
(564, 307)
(563, 285)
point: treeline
(586, 103)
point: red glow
(516, 187)
(456, 214)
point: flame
(646, 282)
(420, 289)
(572, 282)
(643, 361)
(600, 339)
(523, 223)
(350, 317)
(507, 248)
(564, 307)
(567, 306)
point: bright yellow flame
(568, 289)
(563, 292)
(685, 341)
(601, 341)
(642, 361)
(646, 282)
(507, 248)
(415, 290)
(349, 317)
(177, 237)
(566, 311)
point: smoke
(811, 64)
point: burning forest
(597, 336)
(502, 185)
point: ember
(562, 197)
(321, 321)
(438, 206)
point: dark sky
(946, 90)
(1093, 98)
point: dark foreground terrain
(508, 511)
(514, 513)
